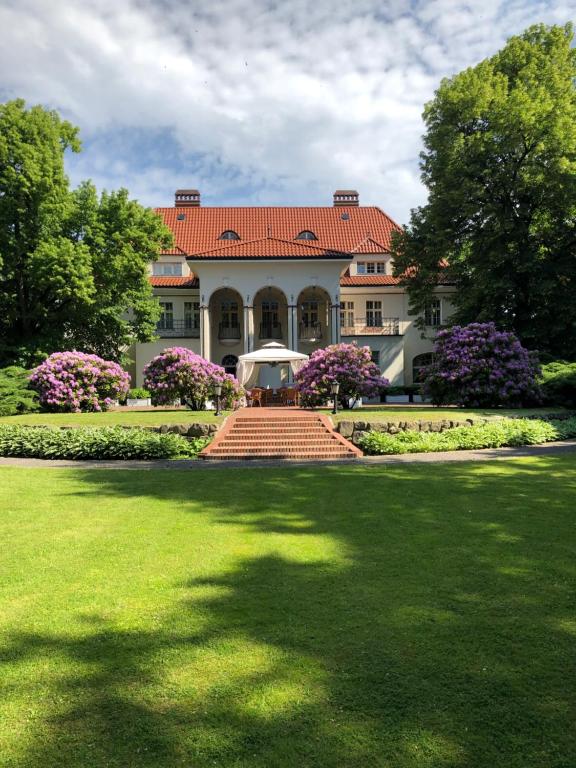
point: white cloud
(268, 101)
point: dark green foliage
(15, 395)
(71, 263)
(500, 167)
(138, 393)
(94, 443)
(493, 434)
(558, 383)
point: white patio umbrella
(270, 354)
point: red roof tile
(163, 281)
(270, 247)
(337, 229)
(361, 280)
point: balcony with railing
(270, 331)
(372, 326)
(177, 328)
(229, 332)
(310, 331)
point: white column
(248, 328)
(204, 331)
(292, 327)
(335, 321)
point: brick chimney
(187, 198)
(346, 197)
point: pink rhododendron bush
(180, 374)
(351, 366)
(479, 366)
(75, 381)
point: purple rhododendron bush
(479, 366)
(178, 373)
(75, 381)
(348, 364)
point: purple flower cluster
(351, 366)
(178, 373)
(479, 366)
(74, 381)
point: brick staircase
(278, 433)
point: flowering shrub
(351, 366)
(75, 381)
(478, 366)
(178, 373)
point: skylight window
(229, 234)
(306, 234)
(181, 217)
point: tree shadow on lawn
(435, 631)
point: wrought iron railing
(270, 331)
(228, 332)
(372, 326)
(172, 328)
(310, 331)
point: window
(419, 365)
(306, 234)
(191, 315)
(371, 268)
(375, 354)
(229, 312)
(309, 313)
(229, 363)
(229, 234)
(270, 313)
(374, 314)
(163, 268)
(346, 314)
(433, 313)
(166, 321)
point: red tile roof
(163, 281)
(361, 280)
(270, 247)
(349, 229)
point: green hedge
(558, 382)
(94, 443)
(15, 395)
(493, 434)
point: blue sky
(252, 101)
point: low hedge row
(493, 434)
(94, 443)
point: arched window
(229, 234)
(419, 365)
(306, 234)
(229, 363)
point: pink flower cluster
(75, 381)
(477, 365)
(351, 366)
(180, 374)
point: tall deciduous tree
(73, 267)
(500, 167)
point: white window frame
(346, 314)
(167, 269)
(374, 313)
(433, 313)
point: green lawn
(132, 418)
(334, 617)
(430, 413)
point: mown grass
(334, 617)
(131, 417)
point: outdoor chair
(255, 397)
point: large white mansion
(238, 278)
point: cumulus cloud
(252, 101)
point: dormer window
(306, 234)
(229, 234)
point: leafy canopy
(73, 266)
(500, 167)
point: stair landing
(279, 433)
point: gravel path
(487, 454)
